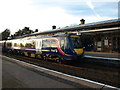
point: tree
(26, 30)
(22, 32)
(18, 33)
(36, 30)
(5, 34)
(12, 36)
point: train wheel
(44, 57)
(29, 55)
(38, 56)
(25, 53)
(32, 55)
(60, 60)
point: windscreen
(76, 41)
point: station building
(101, 36)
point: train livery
(56, 47)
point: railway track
(97, 72)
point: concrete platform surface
(17, 74)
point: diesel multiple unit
(62, 46)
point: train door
(38, 46)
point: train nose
(79, 51)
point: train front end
(76, 47)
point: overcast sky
(42, 14)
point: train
(56, 47)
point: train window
(30, 45)
(27, 45)
(0, 42)
(62, 42)
(21, 45)
(53, 44)
(15, 44)
(33, 44)
(3, 43)
(46, 44)
(9, 44)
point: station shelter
(105, 37)
(102, 41)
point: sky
(43, 14)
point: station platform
(102, 54)
(22, 75)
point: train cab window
(53, 44)
(76, 42)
